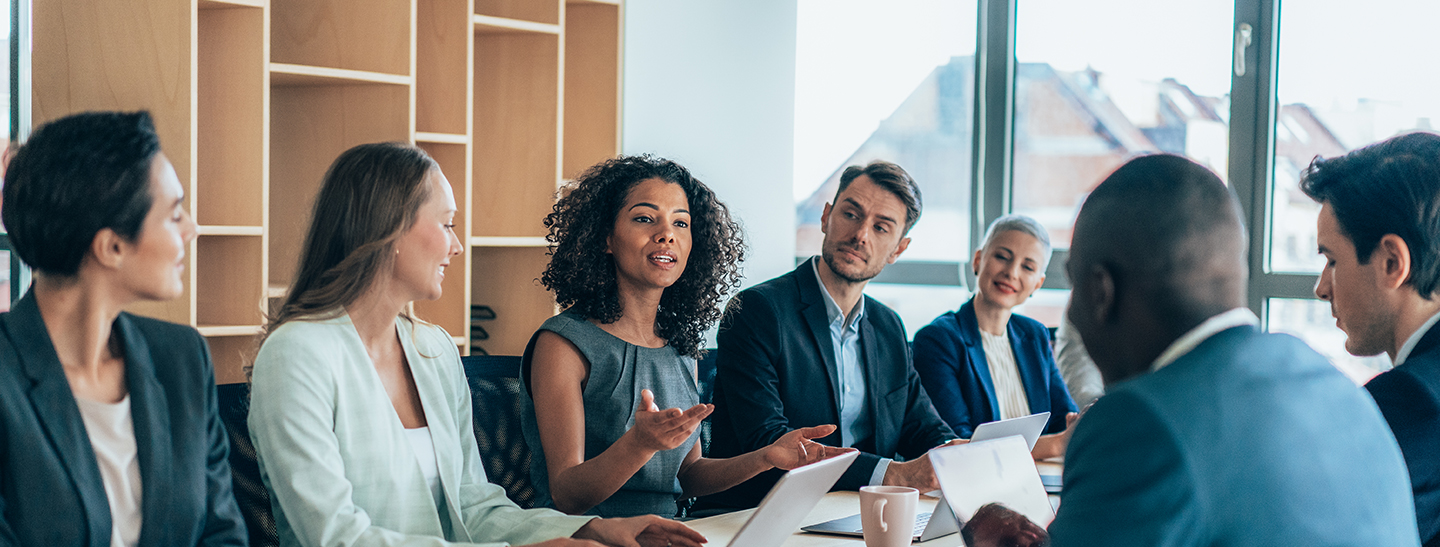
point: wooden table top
(720, 529)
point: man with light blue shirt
(809, 348)
(1379, 230)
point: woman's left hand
(796, 448)
(642, 531)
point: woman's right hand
(667, 429)
(566, 542)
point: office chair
(250, 493)
(497, 398)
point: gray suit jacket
(51, 492)
(1250, 439)
(334, 457)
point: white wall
(711, 85)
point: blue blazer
(951, 361)
(1248, 440)
(1409, 397)
(50, 488)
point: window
(1067, 91)
(1099, 82)
(891, 81)
(1347, 78)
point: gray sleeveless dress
(618, 371)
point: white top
(424, 449)
(112, 435)
(1212, 326)
(336, 460)
(1414, 339)
(1005, 373)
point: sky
(857, 60)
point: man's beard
(828, 256)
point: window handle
(1242, 41)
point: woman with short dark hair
(360, 412)
(642, 255)
(108, 421)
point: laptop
(789, 501)
(1000, 470)
(1030, 427)
(926, 527)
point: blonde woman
(360, 413)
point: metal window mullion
(19, 114)
(994, 109)
(1252, 142)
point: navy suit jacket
(1249, 439)
(1409, 397)
(51, 492)
(776, 372)
(950, 358)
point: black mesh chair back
(250, 493)
(705, 368)
(497, 397)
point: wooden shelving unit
(254, 98)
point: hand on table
(995, 525)
(643, 531)
(659, 430)
(796, 448)
(916, 473)
(1053, 445)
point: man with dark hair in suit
(1379, 229)
(809, 348)
(1211, 433)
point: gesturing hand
(659, 430)
(796, 448)
(643, 531)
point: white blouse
(1005, 373)
(424, 449)
(112, 435)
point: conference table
(720, 529)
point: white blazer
(334, 457)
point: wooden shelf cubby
(507, 279)
(592, 85)
(361, 35)
(517, 115)
(309, 127)
(229, 280)
(538, 11)
(254, 99)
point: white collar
(1228, 320)
(832, 308)
(1415, 337)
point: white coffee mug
(887, 515)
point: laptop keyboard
(921, 521)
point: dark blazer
(51, 492)
(1248, 440)
(1409, 397)
(776, 372)
(950, 358)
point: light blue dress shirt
(855, 420)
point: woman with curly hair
(359, 411)
(641, 254)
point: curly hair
(582, 275)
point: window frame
(1253, 110)
(19, 120)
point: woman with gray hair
(982, 362)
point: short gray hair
(1023, 224)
